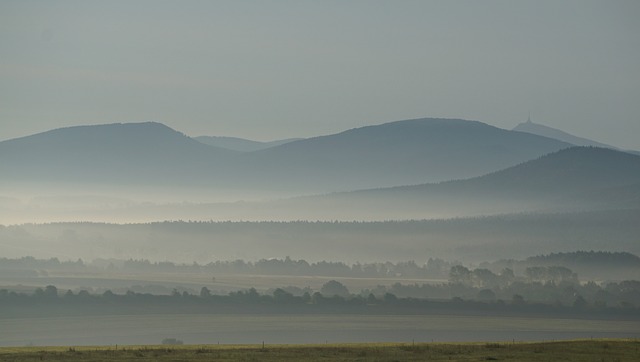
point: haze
(269, 70)
(318, 172)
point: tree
(205, 292)
(317, 298)
(282, 296)
(333, 287)
(579, 302)
(389, 298)
(485, 278)
(371, 299)
(486, 295)
(536, 273)
(50, 291)
(252, 294)
(437, 266)
(517, 299)
(459, 275)
(560, 273)
(507, 276)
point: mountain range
(457, 168)
(397, 153)
(575, 179)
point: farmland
(280, 328)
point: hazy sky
(276, 69)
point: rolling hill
(398, 153)
(114, 153)
(577, 179)
(568, 171)
(391, 154)
(573, 179)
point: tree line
(518, 294)
(554, 267)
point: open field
(221, 283)
(300, 328)
(578, 350)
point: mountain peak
(550, 132)
(103, 130)
(116, 152)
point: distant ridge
(546, 131)
(396, 153)
(241, 144)
(565, 172)
(118, 152)
(402, 152)
(568, 170)
(573, 179)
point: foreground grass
(582, 350)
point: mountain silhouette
(396, 153)
(241, 144)
(573, 179)
(546, 131)
(569, 171)
(578, 179)
(147, 152)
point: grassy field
(579, 350)
(222, 283)
(299, 329)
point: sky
(268, 70)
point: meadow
(119, 282)
(577, 350)
(149, 329)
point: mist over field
(548, 232)
(371, 170)
(471, 240)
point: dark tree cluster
(589, 296)
(550, 285)
(593, 264)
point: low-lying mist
(466, 239)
